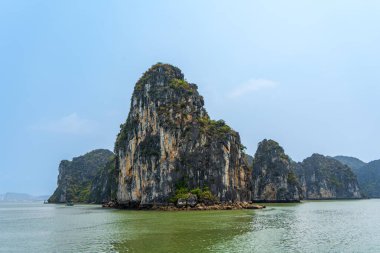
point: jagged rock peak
(161, 77)
(162, 97)
(160, 73)
(270, 148)
(273, 176)
(168, 139)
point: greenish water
(313, 226)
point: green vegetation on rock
(272, 167)
(292, 178)
(181, 84)
(150, 75)
(217, 128)
(204, 195)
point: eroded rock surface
(273, 176)
(322, 177)
(76, 177)
(169, 139)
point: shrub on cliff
(204, 195)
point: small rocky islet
(170, 155)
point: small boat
(69, 203)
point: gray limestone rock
(323, 177)
(169, 138)
(273, 177)
(192, 200)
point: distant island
(21, 197)
(169, 155)
(368, 174)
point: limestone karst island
(169, 126)
(170, 155)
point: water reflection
(179, 231)
(334, 226)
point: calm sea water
(320, 226)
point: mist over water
(312, 226)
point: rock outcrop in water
(273, 176)
(170, 142)
(169, 152)
(322, 177)
(85, 178)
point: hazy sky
(304, 73)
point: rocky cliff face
(369, 179)
(104, 185)
(322, 177)
(273, 177)
(169, 141)
(76, 177)
(368, 174)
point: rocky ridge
(354, 163)
(170, 155)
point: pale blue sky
(305, 73)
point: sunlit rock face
(273, 176)
(169, 140)
(323, 177)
